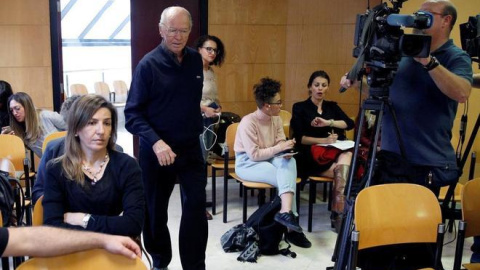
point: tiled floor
(322, 237)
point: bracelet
(432, 64)
(331, 123)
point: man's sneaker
(298, 239)
(288, 220)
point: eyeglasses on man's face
(211, 50)
(171, 32)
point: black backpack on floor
(269, 231)
(7, 198)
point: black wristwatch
(432, 64)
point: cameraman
(425, 95)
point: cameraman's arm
(452, 85)
(476, 80)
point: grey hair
(66, 105)
(171, 11)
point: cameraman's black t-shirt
(3, 239)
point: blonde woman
(30, 124)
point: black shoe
(288, 220)
(298, 239)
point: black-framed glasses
(431, 12)
(211, 50)
(279, 103)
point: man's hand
(344, 82)
(423, 61)
(164, 153)
(211, 112)
(121, 245)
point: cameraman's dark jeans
(420, 176)
(476, 250)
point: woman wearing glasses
(213, 54)
(314, 121)
(259, 144)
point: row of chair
(119, 94)
(395, 214)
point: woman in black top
(316, 121)
(92, 186)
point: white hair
(173, 11)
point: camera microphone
(419, 20)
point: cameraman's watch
(432, 64)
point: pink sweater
(258, 135)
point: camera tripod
(451, 213)
(377, 105)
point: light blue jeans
(277, 171)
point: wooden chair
(226, 165)
(470, 224)
(350, 134)
(397, 214)
(121, 90)
(78, 89)
(51, 137)
(451, 208)
(86, 260)
(286, 117)
(457, 196)
(313, 180)
(12, 148)
(102, 89)
(245, 185)
(38, 212)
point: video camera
(380, 43)
(470, 37)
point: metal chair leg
(311, 200)
(244, 204)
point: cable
(462, 132)
(209, 128)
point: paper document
(342, 145)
